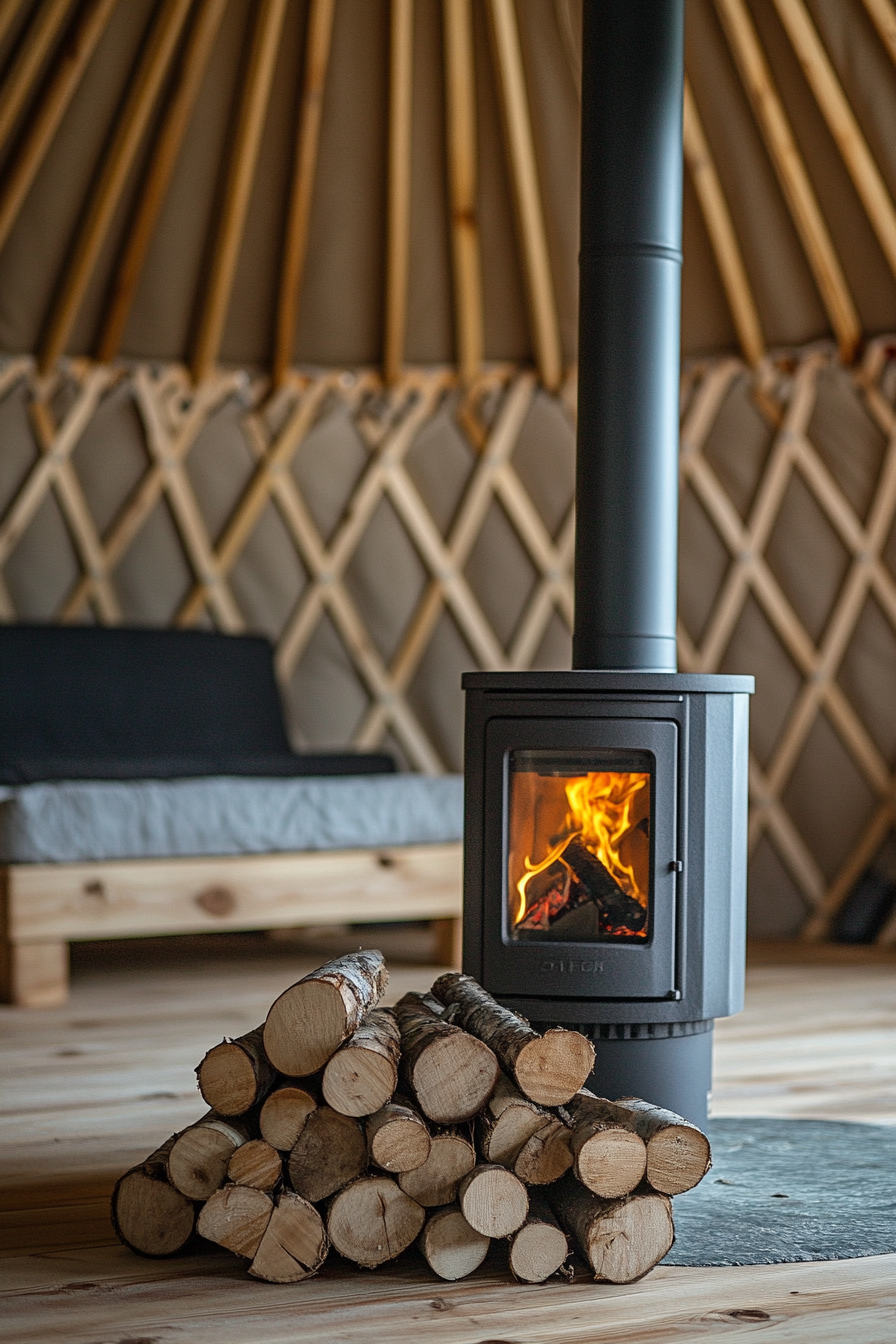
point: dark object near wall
(82, 702)
(872, 900)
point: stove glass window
(578, 845)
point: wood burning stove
(605, 826)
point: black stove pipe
(630, 285)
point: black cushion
(86, 702)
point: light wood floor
(89, 1089)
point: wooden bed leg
(33, 975)
(449, 942)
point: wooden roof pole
(38, 40)
(722, 235)
(155, 187)
(240, 175)
(524, 176)
(317, 58)
(460, 92)
(153, 66)
(842, 124)
(67, 76)
(398, 209)
(883, 16)
(788, 164)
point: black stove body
(640, 952)
(606, 807)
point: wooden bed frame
(45, 906)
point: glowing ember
(608, 815)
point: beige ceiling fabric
(274, 279)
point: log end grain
(454, 1077)
(633, 1236)
(359, 1082)
(197, 1163)
(150, 1216)
(255, 1164)
(373, 1220)
(397, 1139)
(436, 1182)
(330, 1151)
(545, 1155)
(283, 1116)
(611, 1162)
(678, 1157)
(537, 1251)
(236, 1218)
(304, 1027)
(295, 1243)
(551, 1068)
(227, 1079)
(493, 1200)
(450, 1246)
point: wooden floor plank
(92, 1087)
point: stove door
(580, 857)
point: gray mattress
(72, 821)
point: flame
(603, 807)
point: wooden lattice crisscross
(749, 573)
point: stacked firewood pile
(446, 1121)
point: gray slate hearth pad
(786, 1190)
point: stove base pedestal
(671, 1071)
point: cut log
(149, 1215)
(449, 1072)
(620, 1238)
(450, 1246)
(493, 1200)
(256, 1164)
(678, 1153)
(236, 1217)
(330, 1151)
(545, 1155)
(312, 1018)
(373, 1220)
(618, 909)
(295, 1242)
(451, 1157)
(362, 1075)
(397, 1137)
(549, 1069)
(540, 1247)
(236, 1075)
(199, 1156)
(610, 1158)
(283, 1115)
(508, 1121)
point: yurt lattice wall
(287, 296)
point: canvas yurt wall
(288, 321)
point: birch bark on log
(450, 1246)
(329, 1152)
(549, 1069)
(610, 1158)
(620, 1238)
(493, 1200)
(197, 1162)
(540, 1246)
(149, 1215)
(312, 1018)
(451, 1157)
(678, 1153)
(362, 1075)
(449, 1072)
(397, 1137)
(235, 1075)
(373, 1220)
(256, 1164)
(295, 1243)
(284, 1113)
(236, 1217)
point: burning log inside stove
(577, 889)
